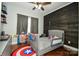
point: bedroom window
(34, 25)
(22, 23)
(27, 24)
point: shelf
(4, 11)
(4, 22)
(3, 16)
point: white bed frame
(34, 44)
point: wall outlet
(69, 42)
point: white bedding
(44, 42)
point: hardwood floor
(15, 46)
(62, 51)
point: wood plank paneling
(65, 19)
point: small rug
(24, 51)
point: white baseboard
(72, 48)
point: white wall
(13, 10)
(1, 24)
(0, 17)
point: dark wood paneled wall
(78, 26)
(65, 19)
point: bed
(44, 44)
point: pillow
(43, 35)
(32, 36)
(23, 36)
(52, 37)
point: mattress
(45, 42)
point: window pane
(34, 25)
(22, 23)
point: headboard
(58, 33)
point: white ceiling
(48, 8)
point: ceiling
(48, 8)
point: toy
(18, 39)
(22, 37)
